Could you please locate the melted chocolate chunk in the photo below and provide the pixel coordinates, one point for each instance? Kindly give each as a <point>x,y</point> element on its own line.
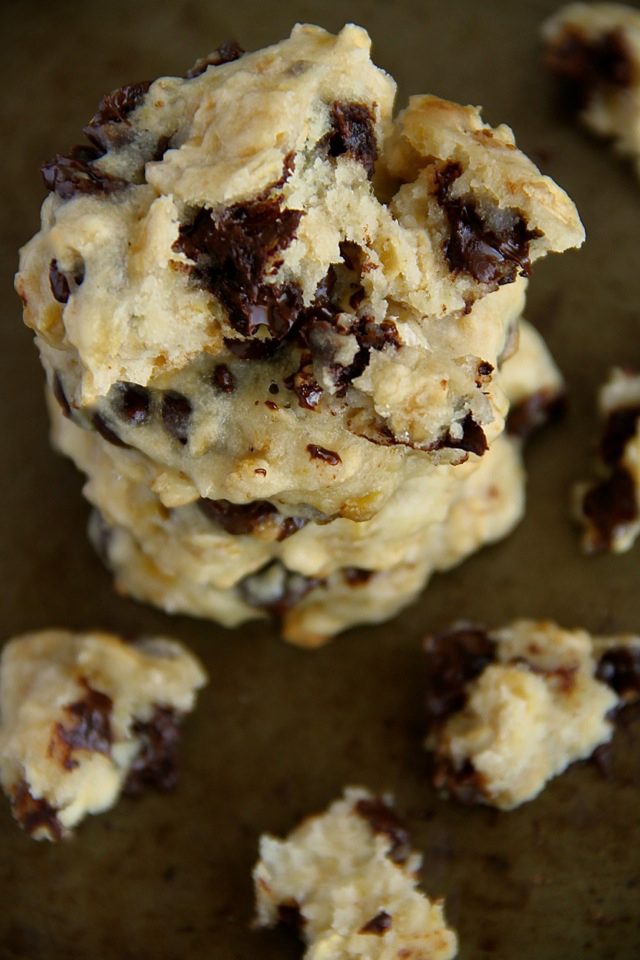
<point>75,174</point>
<point>252,349</point>
<point>223,378</point>
<point>176,414</point>
<point>473,439</point>
<point>238,518</point>
<point>489,254</point>
<point>465,785</point>
<point>357,576</point>
<point>59,283</point>
<point>456,657</point>
<point>34,814</point>
<point>289,915</point>
<point>621,426</point>
<point>291,525</point>
<point>585,66</point>
<point>352,134</point>
<point>155,764</point>
<point>321,453</point>
<point>109,127</point>
<point>619,668</point>
<point>90,728</point>
<point>383,819</point>
<point>535,411</point>
<point>133,403</point>
<point>58,392</point>
<point>227,52</point>
<point>609,505</point>
<point>378,924</point>
<point>106,432</point>
<point>232,253</point>
<point>304,384</point>
<point>276,589</point>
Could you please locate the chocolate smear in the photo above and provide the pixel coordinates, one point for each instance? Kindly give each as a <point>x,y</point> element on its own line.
<point>155,764</point>
<point>488,253</point>
<point>352,134</point>
<point>227,52</point>
<point>383,819</point>
<point>35,814</point>
<point>456,657</point>
<point>473,439</point>
<point>89,728</point>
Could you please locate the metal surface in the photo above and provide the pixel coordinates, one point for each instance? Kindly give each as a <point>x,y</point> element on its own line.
<point>280,731</point>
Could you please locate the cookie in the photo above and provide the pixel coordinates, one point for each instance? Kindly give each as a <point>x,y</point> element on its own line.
<point>594,51</point>
<point>346,882</point>
<point>85,716</point>
<point>511,708</point>
<point>276,303</point>
<point>608,508</point>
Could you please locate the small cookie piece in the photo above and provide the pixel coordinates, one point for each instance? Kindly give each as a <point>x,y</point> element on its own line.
<point>609,508</point>
<point>594,50</point>
<point>84,716</point>
<point>512,708</point>
<point>346,881</point>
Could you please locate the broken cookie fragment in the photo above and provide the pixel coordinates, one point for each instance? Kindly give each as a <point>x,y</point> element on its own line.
<point>594,51</point>
<point>608,508</point>
<point>84,716</point>
<point>511,708</point>
<point>338,880</point>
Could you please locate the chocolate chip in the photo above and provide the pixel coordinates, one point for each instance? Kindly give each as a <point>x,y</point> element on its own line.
<point>352,134</point>
<point>238,518</point>
<point>58,392</point>
<point>357,576</point>
<point>466,784</point>
<point>304,384</point>
<point>109,126</point>
<point>133,403</point>
<point>106,432</point>
<point>76,174</point>
<point>271,405</point>
<point>232,252</point>
<point>619,668</point>
<point>276,589</point>
<point>291,525</point>
<point>535,411</point>
<point>155,764</point>
<point>378,924</point>
<point>490,253</point>
<point>620,427</point>
<point>223,378</point>
<point>289,915</point>
<point>609,505</point>
<point>383,819</point>
<point>473,439</point>
<point>321,453</point>
<point>59,283</point>
<point>90,728</point>
<point>274,388</point>
<point>456,657</point>
<point>176,414</point>
<point>227,52</point>
<point>35,814</point>
<point>584,66</point>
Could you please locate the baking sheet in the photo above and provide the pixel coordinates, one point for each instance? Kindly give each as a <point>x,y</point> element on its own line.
<point>280,731</point>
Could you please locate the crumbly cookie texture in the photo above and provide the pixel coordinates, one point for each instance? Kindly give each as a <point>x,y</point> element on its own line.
<point>594,50</point>
<point>84,716</point>
<point>608,508</point>
<point>281,307</point>
<point>511,708</point>
<point>346,881</point>
<point>233,562</point>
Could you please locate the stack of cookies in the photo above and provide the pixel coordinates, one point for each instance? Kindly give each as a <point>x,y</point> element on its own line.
<point>282,332</point>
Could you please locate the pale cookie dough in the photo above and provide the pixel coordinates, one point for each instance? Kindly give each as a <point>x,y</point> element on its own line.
<point>594,50</point>
<point>84,716</point>
<point>346,881</point>
<point>608,508</point>
<point>512,708</point>
<point>268,303</point>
